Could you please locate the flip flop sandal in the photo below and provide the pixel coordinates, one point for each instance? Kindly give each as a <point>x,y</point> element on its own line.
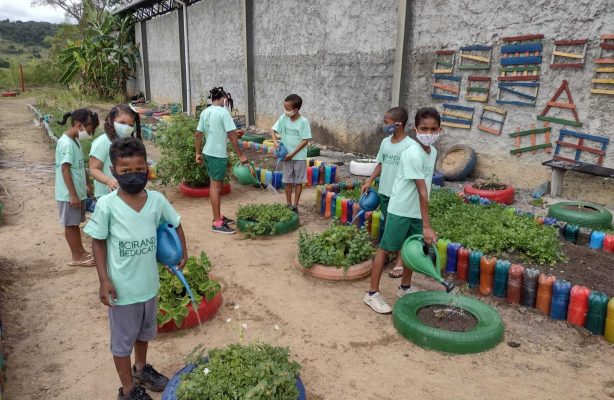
<point>82,263</point>
<point>396,272</point>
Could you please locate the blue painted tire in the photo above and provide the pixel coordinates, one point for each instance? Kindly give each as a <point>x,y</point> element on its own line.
<point>456,169</point>
<point>173,384</point>
<point>438,178</point>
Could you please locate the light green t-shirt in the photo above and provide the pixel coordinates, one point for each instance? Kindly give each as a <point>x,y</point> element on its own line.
<point>68,151</point>
<point>100,150</point>
<point>131,243</point>
<point>415,164</point>
<point>215,122</point>
<point>293,133</point>
<point>389,155</point>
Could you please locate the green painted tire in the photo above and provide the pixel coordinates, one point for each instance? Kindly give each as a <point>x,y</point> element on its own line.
<point>313,151</point>
<point>280,229</point>
<point>253,138</point>
<point>598,218</point>
<point>487,334</point>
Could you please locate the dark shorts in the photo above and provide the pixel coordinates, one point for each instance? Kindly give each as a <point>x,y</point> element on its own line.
<point>398,229</point>
<point>132,322</point>
<point>70,216</point>
<point>216,167</point>
<point>295,172</point>
<point>383,204</point>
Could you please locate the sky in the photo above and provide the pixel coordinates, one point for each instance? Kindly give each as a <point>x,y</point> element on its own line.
<point>22,10</point>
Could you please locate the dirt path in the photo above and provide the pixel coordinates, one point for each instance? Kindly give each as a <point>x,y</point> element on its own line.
<point>56,332</point>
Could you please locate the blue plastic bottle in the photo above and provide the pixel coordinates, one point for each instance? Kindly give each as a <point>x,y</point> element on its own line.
<point>350,211</point>
<point>549,221</point>
<point>452,257</point>
<point>560,299</point>
<point>315,176</point>
<point>327,174</point>
<point>596,242</point>
<point>333,173</point>
<point>571,233</point>
<point>269,177</point>
<point>323,202</point>
<point>501,269</point>
<point>333,205</point>
<point>474,268</point>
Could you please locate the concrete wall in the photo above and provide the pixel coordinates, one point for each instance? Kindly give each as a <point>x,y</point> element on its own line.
<point>453,24</point>
<point>216,49</point>
<point>138,83</point>
<point>164,65</point>
<point>338,56</point>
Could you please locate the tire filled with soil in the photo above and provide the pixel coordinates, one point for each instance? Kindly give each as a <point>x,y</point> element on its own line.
<point>446,317</point>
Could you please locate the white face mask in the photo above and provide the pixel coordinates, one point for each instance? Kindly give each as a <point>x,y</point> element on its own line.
<point>427,139</point>
<point>289,114</point>
<point>122,130</point>
<point>83,135</point>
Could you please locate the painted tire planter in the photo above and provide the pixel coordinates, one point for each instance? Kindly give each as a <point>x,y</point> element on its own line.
<point>313,151</point>
<point>253,138</point>
<point>170,392</point>
<point>503,194</point>
<point>202,191</point>
<point>456,162</point>
<point>9,94</point>
<point>281,228</point>
<point>581,213</point>
<point>328,273</point>
<point>487,334</point>
<point>206,311</point>
<point>362,167</point>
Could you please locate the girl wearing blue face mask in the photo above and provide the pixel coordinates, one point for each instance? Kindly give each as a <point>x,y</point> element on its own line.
<point>121,122</point>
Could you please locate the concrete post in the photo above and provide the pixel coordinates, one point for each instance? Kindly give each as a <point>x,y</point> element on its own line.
<point>400,56</point>
<point>145,60</point>
<point>247,8</point>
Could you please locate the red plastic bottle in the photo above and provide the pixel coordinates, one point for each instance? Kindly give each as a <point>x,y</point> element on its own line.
<point>309,176</point>
<point>514,283</point>
<point>329,196</point>
<point>344,211</point>
<point>462,264</point>
<point>487,275</point>
<point>321,175</point>
<point>544,293</point>
<point>608,243</point>
<point>578,305</point>
<point>368,219</point>
<point>355,211</point>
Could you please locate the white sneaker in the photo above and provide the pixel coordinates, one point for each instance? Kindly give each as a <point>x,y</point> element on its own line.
<point>402,292</point>
<point>377,303</point>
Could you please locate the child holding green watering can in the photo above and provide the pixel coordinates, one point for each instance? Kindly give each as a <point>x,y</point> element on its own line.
<point>408,210</point>
<point>124,232</point>
<point>217,123</point>
<point>388,158</point>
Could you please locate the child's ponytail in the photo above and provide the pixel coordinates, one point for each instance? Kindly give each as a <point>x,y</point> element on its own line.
<point>83,115</point>
<point>64,118</point>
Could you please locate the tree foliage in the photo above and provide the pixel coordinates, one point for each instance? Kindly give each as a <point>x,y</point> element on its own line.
<point>80,10</point>
<point>27,33</point>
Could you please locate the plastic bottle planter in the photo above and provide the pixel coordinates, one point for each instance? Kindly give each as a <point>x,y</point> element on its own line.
<point>544,293</point>
<point>323,202</point>
<point>597,312</point>
<point>452,257</point>
<point>596,242</point>
<point>578,305</point>
<point>571,233</point>
<point>327,207</point>
<point>315,175</point>
<point>442,249</point>
<point>560,299</point>
<point>462,264</point>
<point>487,275</point>
<point>375,220</point>
<point>474,268</point>
<point>501,270</point>
<point>514,283</point>
<point>309,177</point>
<point>609,323</point>
<point>608,243</point>
<point>549,221</point>
<point>368,220</point>
<point>529,287</point>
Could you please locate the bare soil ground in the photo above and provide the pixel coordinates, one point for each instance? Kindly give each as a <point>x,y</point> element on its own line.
<point>56,330</point>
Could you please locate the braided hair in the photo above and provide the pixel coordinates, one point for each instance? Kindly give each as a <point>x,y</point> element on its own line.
<point>83,115</point>
<point>110,119</point>
<point>217,93</point>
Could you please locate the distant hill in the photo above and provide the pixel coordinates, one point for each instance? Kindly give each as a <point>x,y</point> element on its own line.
<point>27,33</point>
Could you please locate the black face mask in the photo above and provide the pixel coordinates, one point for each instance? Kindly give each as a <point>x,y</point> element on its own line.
<point>133,182</point>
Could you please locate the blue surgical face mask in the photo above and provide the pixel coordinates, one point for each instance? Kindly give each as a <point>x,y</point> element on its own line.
<point>390,129</point>
<point>123,130</point>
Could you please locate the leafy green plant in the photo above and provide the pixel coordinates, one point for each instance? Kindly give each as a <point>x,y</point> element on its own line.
<point>248,372</point>
<point>264,218</point>
<point>353,194</point>
<point>338,246</point>
<point>173,298</point>
<point>492,229</point>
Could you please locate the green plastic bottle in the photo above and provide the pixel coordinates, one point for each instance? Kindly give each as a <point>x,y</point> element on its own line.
<point>597,311</point>
<point>442,249</point>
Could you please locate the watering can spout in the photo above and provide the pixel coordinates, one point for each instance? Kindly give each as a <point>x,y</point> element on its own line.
<point>448,285</point>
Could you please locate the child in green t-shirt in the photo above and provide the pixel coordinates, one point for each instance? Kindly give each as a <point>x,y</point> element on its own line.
<point>408,210</point>
<point>121,122</point>
<point>295,134</point>
<point>388,158</point>
<point>71,187</point>
<point>123,229</point>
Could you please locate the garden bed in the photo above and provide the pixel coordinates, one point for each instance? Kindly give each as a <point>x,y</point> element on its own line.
<point>447,317</point>
<point>331,273</point>
<point>266,219</point>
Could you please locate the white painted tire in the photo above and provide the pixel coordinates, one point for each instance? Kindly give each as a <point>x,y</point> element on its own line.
<point>364,167</point>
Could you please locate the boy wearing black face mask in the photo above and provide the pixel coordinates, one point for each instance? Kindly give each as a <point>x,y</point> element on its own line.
<point>123,229</point>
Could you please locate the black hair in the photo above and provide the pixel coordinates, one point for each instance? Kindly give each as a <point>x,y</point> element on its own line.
<point>398,114</point>
<point>83,115</point>
<point>296,101</point>
<point>217,93</point>
<point>426,113</point>
<point>230,101</point>
<point>127,147</point>
<point>115,111</point>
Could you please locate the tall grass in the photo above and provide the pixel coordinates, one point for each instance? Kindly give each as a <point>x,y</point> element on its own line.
<point>37,73</point>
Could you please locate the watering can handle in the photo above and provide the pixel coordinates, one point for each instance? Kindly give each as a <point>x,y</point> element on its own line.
<point>421,237</point>
<point>176,242</point>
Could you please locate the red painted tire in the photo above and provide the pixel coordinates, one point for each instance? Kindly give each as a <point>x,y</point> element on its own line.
<point>328,273</point>
<point>9,94</point>
<point>503,196</point>
<point>206,311</point>
<point>200,192</point>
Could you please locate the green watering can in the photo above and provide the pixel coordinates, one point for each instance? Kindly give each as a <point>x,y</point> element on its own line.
<point>415,255</point>
<point>245,174</point>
